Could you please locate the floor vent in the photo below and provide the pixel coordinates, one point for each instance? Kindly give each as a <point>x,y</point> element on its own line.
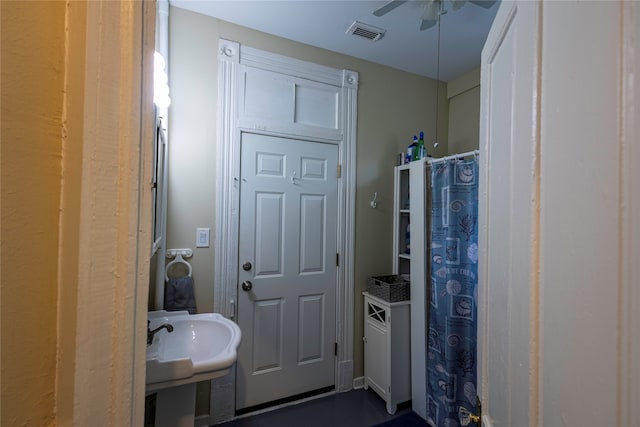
<point>368,32</point>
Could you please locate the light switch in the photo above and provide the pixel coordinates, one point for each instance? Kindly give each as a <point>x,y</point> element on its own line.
<point>202,238</point>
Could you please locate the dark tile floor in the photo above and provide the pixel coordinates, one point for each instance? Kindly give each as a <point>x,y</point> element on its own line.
<point>356,408</point>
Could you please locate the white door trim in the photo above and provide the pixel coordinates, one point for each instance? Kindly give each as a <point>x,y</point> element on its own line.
<point>629,231</point>
<point>231,56</point>
<point>104,278</point>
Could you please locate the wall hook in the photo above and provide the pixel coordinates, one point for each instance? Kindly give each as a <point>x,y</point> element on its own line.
<point>374,203</point>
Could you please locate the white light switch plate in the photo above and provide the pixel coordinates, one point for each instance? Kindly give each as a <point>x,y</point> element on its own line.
<point>202,238</point>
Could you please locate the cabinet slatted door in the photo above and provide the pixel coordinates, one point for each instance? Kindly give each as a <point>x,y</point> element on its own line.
<point>386,350</point>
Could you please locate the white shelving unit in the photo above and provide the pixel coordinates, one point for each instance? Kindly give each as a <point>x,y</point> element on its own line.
<point>395,350</point>
<point>386,350</point>
<point>411,207</point>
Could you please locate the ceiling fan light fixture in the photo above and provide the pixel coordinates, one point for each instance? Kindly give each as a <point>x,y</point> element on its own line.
<point>365,31</point>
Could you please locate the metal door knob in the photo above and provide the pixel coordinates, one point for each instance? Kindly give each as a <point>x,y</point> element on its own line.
<point>247,286</point>
<point>467,417</point>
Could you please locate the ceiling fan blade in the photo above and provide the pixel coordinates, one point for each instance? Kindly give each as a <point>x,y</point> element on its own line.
<point>457,4</point>
<point>483,3</point>
<point>426,24</point>
<point>388,7</point>
<point>431,10</point>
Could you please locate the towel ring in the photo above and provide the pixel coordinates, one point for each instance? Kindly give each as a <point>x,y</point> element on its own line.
<point>177,259</point>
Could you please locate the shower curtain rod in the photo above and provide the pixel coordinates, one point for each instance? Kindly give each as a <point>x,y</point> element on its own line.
<point>454,156</point>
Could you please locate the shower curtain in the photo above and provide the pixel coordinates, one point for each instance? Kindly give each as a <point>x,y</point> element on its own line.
<point>452,334</point>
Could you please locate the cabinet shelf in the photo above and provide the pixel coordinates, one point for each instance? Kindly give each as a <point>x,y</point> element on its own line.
<point>401,220</point>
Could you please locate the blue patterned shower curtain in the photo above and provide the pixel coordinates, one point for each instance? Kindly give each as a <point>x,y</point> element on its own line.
<point>452,335</point>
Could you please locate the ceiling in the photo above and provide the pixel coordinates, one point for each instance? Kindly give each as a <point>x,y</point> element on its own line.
<point>323,23</point>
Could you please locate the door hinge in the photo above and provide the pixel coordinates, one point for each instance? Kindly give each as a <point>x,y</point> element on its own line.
<point>339,171</point>
<point>335,349</point>
<point>232,309</point>
<point>337,260</point>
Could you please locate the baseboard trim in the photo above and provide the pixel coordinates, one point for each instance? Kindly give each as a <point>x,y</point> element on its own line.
<point>345,375</point>
<point>487,421</point>
<point>358,382</point>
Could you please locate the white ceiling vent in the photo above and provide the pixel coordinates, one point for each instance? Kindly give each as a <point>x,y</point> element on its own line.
<point>368,32</point>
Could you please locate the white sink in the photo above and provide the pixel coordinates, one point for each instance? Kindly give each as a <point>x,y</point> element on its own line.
<point>201,347</point>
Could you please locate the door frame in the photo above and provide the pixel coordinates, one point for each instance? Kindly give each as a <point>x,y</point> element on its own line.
<point>231,56</point>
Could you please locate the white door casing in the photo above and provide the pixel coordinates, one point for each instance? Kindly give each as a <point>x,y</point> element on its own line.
<point>558,278</point>
<point>510,176</point>
<point>233,119</point>
<point>288,234</point>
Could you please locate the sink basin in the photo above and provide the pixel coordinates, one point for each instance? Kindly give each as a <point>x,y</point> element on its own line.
<point>201,347</point>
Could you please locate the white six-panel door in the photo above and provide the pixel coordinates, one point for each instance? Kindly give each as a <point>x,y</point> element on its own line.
<point>287,274</point>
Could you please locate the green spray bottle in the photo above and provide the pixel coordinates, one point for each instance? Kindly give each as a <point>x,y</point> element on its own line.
<point>422,153</point>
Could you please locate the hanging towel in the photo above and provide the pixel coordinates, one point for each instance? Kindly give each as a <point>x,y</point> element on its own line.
<point>179,295</point>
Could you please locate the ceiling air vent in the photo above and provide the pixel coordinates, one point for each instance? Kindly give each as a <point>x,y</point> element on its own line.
<point>368,32</point>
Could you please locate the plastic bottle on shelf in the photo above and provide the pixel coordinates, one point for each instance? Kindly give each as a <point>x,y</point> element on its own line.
<point>416,151</point>
<point>410,151</point>
<point>422,152</point>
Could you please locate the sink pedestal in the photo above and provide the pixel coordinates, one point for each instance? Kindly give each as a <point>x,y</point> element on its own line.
<point>176,406</point>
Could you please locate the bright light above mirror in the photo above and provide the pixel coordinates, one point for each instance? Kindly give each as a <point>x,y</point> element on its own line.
<point>160,82</point>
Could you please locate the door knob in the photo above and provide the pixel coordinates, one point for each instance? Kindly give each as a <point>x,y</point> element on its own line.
<point>246,266</point>
<point>247,286</point>
<point>467,417</point>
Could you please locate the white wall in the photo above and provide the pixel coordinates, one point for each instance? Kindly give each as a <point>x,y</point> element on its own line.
<point>583,188</point>
<point>31,189</point>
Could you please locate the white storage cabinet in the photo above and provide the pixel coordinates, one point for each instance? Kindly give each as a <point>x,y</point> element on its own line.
<point>387,356</point>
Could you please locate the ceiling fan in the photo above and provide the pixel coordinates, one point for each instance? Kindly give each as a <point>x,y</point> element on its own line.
<point>432,9</point>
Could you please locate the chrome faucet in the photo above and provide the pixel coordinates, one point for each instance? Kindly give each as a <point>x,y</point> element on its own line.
<point>151,333</point>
